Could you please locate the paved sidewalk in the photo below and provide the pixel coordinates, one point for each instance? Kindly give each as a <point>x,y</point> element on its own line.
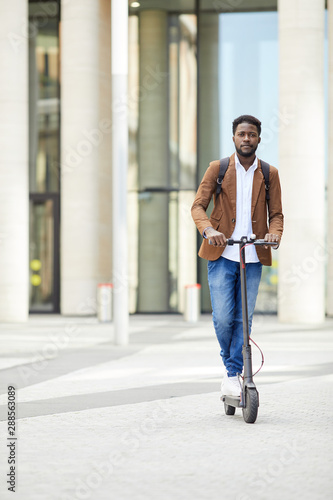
<point>144,422</point>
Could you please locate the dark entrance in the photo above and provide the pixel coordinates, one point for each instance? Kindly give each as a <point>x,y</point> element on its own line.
<point>44,156</point>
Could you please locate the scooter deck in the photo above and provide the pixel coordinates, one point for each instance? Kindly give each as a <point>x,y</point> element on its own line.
<point>232,401</point>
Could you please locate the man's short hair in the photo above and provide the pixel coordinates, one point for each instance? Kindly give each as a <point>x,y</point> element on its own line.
<point>246,119</point>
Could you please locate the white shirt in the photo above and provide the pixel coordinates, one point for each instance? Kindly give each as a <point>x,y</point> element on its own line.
<point>243,227</point>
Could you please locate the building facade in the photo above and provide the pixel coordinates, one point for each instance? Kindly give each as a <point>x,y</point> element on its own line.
<point>193,67</point>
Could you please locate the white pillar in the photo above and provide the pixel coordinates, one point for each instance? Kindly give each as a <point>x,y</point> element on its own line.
<point>85,153</point>
<point>301,161</point>
<point>330,163</point>
<point>119,63</point>
<point>14,189</point>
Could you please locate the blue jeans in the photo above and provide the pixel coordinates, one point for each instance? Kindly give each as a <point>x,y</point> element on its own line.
<point>225,293</point>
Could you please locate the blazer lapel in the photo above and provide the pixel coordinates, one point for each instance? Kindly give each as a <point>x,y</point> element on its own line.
<point>257,184</point>
<point>230,182</point>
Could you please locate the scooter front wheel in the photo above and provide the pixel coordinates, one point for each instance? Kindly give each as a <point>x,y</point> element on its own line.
<point>250,411</point>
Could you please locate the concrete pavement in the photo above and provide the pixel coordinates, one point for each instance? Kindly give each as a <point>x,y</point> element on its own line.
<point>98,421</point>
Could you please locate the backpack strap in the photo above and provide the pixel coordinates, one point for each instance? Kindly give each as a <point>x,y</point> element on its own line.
<point>265,171</point>
<point>224,164</point>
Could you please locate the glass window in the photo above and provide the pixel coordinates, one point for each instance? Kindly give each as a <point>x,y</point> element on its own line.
<point>237,52</point>
<point>162,161</point>
<point>44,154</point>
<point>44,93</point>
<point>238,74</point>
<point>248,77</point>
<point>183,101</point>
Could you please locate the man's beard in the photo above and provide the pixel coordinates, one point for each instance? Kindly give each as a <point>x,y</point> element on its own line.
<point>248,153</point>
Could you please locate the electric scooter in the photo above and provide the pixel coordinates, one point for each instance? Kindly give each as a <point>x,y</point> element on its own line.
<point>249,396</point>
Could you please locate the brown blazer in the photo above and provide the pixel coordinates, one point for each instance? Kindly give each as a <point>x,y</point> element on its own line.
<point>223,216</point>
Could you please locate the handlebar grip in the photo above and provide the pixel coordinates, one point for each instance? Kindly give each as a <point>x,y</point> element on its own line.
<point>210,243</point>
<point>263,242</point>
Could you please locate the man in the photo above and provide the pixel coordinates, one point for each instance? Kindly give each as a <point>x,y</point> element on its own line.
<point>239,210</point>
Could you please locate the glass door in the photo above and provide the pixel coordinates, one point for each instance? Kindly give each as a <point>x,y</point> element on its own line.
<point>236,40</point>
<point>44,254</point>
<point>162,167</point>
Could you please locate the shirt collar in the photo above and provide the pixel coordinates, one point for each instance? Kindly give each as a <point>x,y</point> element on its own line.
<point>238,163</point>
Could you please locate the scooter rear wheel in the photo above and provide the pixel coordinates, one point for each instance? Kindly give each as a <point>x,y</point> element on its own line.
<point>229,410</point>
<point>250,412</point>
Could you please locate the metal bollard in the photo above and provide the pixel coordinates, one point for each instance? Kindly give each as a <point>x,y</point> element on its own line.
<point>192,303</point>
<point>104,302</point>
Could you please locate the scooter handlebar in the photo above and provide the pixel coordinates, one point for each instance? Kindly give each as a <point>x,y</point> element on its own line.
<point>263,242</point>
<point>251,241</point>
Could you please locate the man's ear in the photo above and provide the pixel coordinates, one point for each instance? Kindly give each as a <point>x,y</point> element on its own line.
<point>233,139</point>
<point>259,140</point>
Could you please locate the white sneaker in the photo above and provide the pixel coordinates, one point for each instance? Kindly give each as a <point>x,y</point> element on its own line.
<point>224,376</point>
<point>231,387</point>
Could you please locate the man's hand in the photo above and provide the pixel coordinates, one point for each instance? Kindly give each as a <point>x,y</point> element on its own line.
<point>216,239</point>
<point>272,238</point>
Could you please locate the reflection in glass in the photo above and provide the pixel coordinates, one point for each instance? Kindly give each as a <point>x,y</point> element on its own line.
<point>153,272</point>
<point>41,255</point>
<point>173,251</point>
<point>174,100</point>
<point>168,264</point>
<point>44,93</point>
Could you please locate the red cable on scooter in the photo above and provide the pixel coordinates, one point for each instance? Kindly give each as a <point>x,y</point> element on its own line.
<point>262,356</point>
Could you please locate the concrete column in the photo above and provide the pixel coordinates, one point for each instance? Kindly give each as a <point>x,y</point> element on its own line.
<point>330,163</point>
<point>301,161</point>
<point>14,189</point>
<point>209,120</point>
<point>85,153</point>
<point>153,162</point>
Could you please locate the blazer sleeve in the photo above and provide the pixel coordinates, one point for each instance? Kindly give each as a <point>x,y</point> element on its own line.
<point>204,194</point>
<point>276,217</point>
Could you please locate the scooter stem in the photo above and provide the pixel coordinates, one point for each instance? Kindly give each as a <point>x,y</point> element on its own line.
<point>247,356</point>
